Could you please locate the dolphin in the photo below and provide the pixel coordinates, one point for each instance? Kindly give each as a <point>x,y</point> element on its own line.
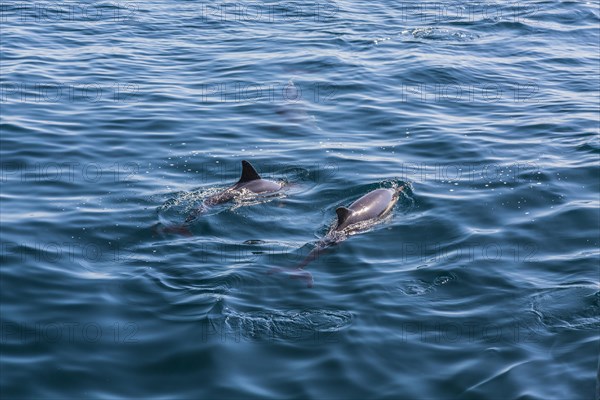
<point>365,212</point>
<point>249,181</point>
<point>371,207</point>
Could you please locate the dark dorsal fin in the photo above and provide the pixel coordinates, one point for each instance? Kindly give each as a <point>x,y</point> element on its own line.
<point>343,213</point>
<point>248,172</point>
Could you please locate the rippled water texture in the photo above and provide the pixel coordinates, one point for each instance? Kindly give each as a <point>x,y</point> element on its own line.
<point>119,119</point>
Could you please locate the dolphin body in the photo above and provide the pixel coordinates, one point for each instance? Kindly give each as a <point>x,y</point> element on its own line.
<point>249,181</point>
<point>358,217</point>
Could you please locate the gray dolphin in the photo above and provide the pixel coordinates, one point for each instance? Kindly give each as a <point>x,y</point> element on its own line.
<point>249,181</point>
<point>358,217</point>
<point>370,207</point>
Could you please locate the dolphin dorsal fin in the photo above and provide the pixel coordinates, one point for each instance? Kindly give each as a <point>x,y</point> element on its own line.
<point>248,172</point>
<point>342,213</point>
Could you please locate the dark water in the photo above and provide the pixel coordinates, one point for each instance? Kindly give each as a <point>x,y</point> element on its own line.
<point>119,118</point>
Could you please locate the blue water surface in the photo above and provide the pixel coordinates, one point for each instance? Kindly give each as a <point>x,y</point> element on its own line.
<point>119,118</point>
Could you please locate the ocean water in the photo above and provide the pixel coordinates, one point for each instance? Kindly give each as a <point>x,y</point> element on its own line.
<point>119,118</point>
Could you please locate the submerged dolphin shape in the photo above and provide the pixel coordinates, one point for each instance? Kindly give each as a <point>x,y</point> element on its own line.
<point>249,181</point>
<point>358,217</point>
